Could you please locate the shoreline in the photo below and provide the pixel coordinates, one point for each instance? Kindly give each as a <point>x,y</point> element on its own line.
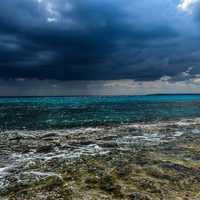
<point>112,164</point>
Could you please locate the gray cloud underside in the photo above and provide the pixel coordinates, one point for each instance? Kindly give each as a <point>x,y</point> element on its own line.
<point>35,87</point>
<point>97,40</point>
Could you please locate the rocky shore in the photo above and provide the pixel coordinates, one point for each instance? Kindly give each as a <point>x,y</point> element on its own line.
<point>102,164</point>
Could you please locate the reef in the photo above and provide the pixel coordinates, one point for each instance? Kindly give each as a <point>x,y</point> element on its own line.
<point>157,171</point>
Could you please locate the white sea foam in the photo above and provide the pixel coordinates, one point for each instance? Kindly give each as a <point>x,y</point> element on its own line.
<point>3,171</point>
<point>178,133</point>
<point>82,130</point>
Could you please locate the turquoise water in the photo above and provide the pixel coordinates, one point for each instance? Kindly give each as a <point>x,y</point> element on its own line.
<point>67,112</point>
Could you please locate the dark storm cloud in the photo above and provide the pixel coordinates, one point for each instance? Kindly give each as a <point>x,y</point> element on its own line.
<point>95,40</point>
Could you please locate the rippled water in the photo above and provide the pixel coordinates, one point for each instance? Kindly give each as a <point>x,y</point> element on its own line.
<point>38,131</point>
<point>68,112</point>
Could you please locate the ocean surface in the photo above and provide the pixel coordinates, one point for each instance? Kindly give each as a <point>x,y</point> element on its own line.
<point>69,112</point>
<point>36,131</point>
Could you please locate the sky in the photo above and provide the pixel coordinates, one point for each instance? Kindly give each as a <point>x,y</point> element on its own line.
<point>99,47</point>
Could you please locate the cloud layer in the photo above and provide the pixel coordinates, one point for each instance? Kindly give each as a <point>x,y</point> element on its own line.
<point>69,40</point>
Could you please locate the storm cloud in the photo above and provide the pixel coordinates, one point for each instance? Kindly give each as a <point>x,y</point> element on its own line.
<point>76,40</point>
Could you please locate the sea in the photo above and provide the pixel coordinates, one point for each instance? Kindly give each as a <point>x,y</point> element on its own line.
<point>43,129</point>
<point>46,113</point>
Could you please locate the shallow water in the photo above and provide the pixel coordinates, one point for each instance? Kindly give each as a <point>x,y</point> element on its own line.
<point>37,132</point>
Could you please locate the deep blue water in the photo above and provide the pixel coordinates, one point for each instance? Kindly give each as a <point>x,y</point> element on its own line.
<point>67,112</point>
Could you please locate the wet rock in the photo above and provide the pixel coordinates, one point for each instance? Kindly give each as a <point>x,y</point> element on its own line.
<point>108,144</point>
<point>175,166</point>
<point>67,192</point>
<point>92,180</point>
<point>87,142</point>
<point>20,147</point>
<point>108,184</point>
<point>139,196</point>
<point>45,149</point>
<point>142,159</point>
<point>159,174</point>
<point>53,181</point>
<point>149,185</point>
<point>70,173</point>
<point>49,135</point>
<point>108,138</point>
<point>67,146</point>
<point>152,171</point>
<point>26,180</point>
<point>124,169</point>
<point>15,136</point>
<point>80,143</point>
<point>181,170</point>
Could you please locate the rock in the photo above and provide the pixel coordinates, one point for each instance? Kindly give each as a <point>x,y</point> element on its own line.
<point>67,192</point>
<point>149,185</point>
<point>45,149</point>
<point>139,196</point>
<point>49,135</point>
<point>107,183</point>
<point>108,144</point>
<point>86,142</point>
<point>91,181</point>
<point>124,169</point>
<point>80,143</point>
<point>158,173</point>
<point>31,179</point>
<point>53,181</point>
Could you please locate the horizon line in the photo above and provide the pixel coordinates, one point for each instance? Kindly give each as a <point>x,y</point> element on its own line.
<point>53,96</point>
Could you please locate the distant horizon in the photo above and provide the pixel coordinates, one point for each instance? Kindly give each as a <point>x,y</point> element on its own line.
<point>153,94</point>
